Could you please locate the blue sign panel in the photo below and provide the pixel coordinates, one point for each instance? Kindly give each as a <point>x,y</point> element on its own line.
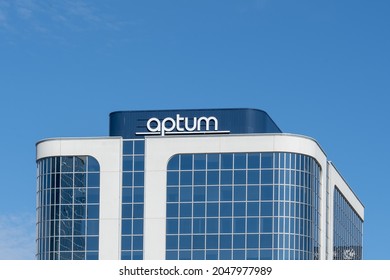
<point>138,124</point>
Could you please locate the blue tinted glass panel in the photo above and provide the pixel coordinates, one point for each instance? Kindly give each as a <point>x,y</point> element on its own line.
<point>139,147</point>
<point>127,147</point>
<point>186,162</point>
<point>200,161</point>
<point>239,161</point>
<point>212,161</point>
<point>173,163</point>
<point>227,161</point>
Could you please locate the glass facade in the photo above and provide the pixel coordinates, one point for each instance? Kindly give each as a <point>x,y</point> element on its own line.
<point>243,206</point>
<point>133,200</point>
<point>68,208</point>
<point>348,230</point>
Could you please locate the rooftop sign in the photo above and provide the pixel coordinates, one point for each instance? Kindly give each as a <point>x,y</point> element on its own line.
<point>138,124</point>
<point>182,125</point>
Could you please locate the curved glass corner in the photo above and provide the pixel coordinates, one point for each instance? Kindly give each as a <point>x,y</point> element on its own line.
<point>68,208</point>
<point>243,206</point>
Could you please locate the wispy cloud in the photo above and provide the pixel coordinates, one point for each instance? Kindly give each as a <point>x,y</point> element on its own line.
<point>48,16</point>
<point>17,237</point>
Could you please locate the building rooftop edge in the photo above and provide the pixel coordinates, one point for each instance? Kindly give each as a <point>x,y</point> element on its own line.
<point>76,138</point>
<point>334,166</point>
<point>181,109</point>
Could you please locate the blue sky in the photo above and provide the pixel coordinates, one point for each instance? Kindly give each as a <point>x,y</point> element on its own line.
<point>319,68</point>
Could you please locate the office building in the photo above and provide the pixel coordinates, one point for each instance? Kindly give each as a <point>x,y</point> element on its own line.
<point>193,184</point>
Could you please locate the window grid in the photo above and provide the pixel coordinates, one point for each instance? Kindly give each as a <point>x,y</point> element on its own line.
<point>267,203</point>
<point>68,208</point>
<point>132,200</point>
<point>348,230</point>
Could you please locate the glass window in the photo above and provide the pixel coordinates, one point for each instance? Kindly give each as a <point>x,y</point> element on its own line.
<point>253,225</point>
<point>138,225</point>
<point>253,241</point>
<point>93,180</point>
<point>66,164</point>
<point>139,147</point>
<point>253,177</point>
<point>127,195</point>
<point>199,177</point>
<point>226,193</point>
<point>185,194</point>
<point>93,211</point>
<point>93,195</point>
<point>138,210</point>
<point>239,161</point>
<point>127,210</point>
<point>266,209</point>
<point>226,225</point>
<point>225,241</point>
<point>253,209</point>
<point>172,210</point>
<point>212,177</point>
<point>239,193</point>
<point>211,242</point>
<point>137,242</point>
<point>212,209</point>
<point>93,164</point>
<point>93,227</point>
<point>173,194</point>
<point>239,225</point>
<point>173,163</point>
<point>138,179</point>
<point>185,210</point>
<point>127,147</point>
<point>127,226</point>
<point>266,224</point>
<point>199,193</point>
<point>213,194</point>
<point>185,241</point>
<point>186,178</point>
<point>80,164</point>
<point>253,193</point>
<point>185,226</point>
<point>79,211</point>
<point>266,177</point>
<point>171,255</point>
<point>127,178</point>
<point>266,193</point>
<point>226,209</point>
<point>128,163</point>
<point>200,161</point>
<point>199,210</point>
<point>212,225</point>
<point>212,161</point>
<point>138,163</point>
<point>239,241</point>
<point>199,241</point>
<point>239,209</point>
<point>253,161</point>
<point>80,180</point>
<point>227,161</point>
<point>239,177</point>
<point>226,177</point>
<point>199,225</point>
<point>66,196</point>
<point>266,160</point>
<point>265,240</point>
<point>172,226</point>
<point>173,178</point>
<point>186,162</point>
<point>126,243</point>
